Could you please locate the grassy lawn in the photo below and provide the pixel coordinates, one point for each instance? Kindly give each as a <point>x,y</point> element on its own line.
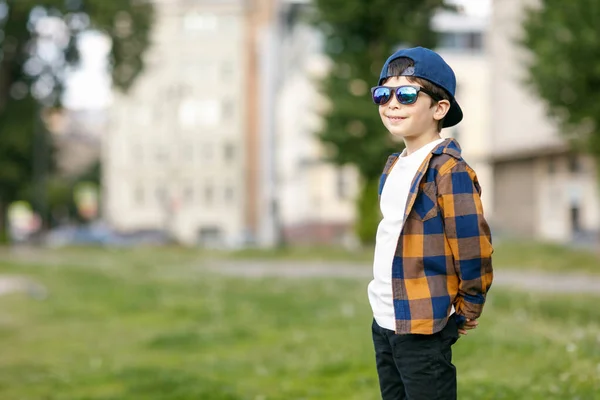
<point>546,257</point>
<point>507,255</point>
<point>130,325</point>
<point>522,255</point>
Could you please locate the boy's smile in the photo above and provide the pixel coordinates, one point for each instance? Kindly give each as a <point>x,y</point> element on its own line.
<point>394,119</point>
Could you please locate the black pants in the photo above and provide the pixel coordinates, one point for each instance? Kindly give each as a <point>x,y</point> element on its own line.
<point>416,367</point>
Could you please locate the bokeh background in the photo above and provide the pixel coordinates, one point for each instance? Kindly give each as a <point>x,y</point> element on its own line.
<point>188,194</point>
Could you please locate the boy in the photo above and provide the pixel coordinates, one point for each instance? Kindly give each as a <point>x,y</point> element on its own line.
<point>432,264</point>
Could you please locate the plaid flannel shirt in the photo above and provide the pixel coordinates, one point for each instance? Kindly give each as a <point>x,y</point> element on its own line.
<point>443,255</point>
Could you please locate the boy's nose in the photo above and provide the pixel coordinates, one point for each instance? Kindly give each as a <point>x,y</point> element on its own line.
<point>394,103</point>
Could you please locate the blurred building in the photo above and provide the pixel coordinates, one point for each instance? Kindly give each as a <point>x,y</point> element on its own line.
<point>216,141</point>
<point>461,42</point>
<point>542,189</point>
<point>185,150</point>
<point>77,136</point>
<point>317,199</point>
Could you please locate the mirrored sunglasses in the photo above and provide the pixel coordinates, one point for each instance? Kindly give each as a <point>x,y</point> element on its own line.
<point>406,94</point>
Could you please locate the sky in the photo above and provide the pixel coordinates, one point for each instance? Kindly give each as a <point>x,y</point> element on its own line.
<point>474,7</point>
<point>88,87</point>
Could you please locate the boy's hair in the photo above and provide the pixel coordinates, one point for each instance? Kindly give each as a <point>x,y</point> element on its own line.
<point>399,65</point>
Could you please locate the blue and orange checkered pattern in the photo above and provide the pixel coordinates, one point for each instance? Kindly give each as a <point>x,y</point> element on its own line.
<point>444,252</point>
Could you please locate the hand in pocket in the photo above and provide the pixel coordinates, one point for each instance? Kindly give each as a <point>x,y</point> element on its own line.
<point>470,324</point>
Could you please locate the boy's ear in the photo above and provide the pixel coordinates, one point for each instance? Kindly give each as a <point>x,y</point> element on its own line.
<point>441,109</point>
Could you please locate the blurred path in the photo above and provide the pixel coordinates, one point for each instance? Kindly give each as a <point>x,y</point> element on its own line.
<point>12,284</point>
<point>512,278</point>
<point>530,280</point>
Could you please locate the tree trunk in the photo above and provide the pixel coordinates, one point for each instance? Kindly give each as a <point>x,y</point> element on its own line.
<point>4,237</point>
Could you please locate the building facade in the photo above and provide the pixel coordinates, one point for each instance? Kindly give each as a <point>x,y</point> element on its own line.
<point>317,198</point>
<point>542,189</point>
<point>462,40</point>
<point>182,151</point>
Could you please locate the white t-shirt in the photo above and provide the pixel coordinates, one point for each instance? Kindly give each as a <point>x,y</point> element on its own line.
<point>392,204</point>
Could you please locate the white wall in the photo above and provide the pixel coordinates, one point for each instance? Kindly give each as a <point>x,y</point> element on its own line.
<point>308,185</point>
<point>184,106</point>
<point>473,133</point>
<point>519,117</point>
<point>520,126</point>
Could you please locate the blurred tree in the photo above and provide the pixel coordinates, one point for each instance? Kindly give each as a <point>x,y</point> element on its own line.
<point>60,192</point>
<point>564,40</point>
<point>38,44</point>
<point>359,36</point>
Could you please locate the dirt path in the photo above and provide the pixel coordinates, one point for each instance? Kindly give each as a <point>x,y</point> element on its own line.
<point>11,284</point>
<point>532,281</point>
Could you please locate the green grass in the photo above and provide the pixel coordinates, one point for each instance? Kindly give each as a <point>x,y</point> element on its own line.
<point>130,325</point>
<point>508,254</point>
<point>546,257</point>
<point>305,253</point>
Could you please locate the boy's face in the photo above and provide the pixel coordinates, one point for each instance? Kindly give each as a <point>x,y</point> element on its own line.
<point>411,120</point>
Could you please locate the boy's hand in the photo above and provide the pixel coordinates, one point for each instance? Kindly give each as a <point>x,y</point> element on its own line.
<point>470,324</point>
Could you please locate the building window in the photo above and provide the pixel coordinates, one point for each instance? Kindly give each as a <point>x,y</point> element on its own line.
<point>193,113</point>
<point>137,154</point>
<point>208,194</point>
<point>187,152</point>
<point>342,184</point>
<point>229,194</point>
<point>188,195</point>
<point>205,71</point>
<point>161,154</point>
<point>161,195</point>
<point>551,166</point>
<point>188,115</point>
<point>226,70</point>
<point>227,109</point>
<point>198,22</point>
<point>461,41</point>
<point>229,152</point>
<point>138,196</point>
<point>177,91</point>
<point>143,117</point>
<point>575,216</point>
<point>157,112</point>
<point>207,152</point>
<point>574,164</point>
<point>210,236</point>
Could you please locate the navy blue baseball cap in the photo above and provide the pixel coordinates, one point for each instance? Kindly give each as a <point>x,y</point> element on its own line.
<point>431,66</point>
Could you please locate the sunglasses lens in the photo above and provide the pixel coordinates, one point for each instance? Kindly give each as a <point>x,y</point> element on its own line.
<point>381,95</point>
<point>407,94</point>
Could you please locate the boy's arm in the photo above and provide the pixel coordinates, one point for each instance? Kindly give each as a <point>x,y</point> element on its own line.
<point>469,237</point>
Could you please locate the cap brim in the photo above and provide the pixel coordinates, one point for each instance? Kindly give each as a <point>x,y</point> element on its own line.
<point>454,116</point>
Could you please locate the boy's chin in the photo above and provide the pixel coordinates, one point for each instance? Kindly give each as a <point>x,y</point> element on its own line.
<point>396,138</point>
<point>404,135</point>
<point>401,134</point>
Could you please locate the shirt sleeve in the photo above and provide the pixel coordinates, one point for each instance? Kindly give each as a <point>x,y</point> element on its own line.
<point>468,236</point>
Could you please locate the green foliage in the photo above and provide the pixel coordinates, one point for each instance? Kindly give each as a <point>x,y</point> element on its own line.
<point>16,135</point>
<point>359,36</point>
<point>368,209</point>
<point>564,39</point>
<point>126,22</point>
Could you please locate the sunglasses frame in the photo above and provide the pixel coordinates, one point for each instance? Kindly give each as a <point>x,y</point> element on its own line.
<point>394,90</point>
